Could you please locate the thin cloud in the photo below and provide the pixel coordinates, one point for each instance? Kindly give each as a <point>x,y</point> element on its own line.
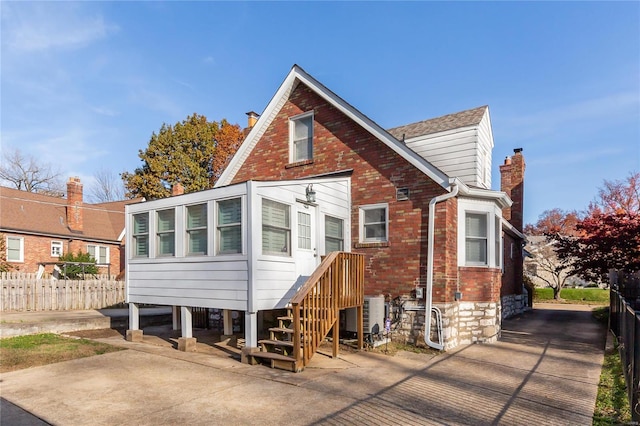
<point>590,113</point>
<point>29,27</point>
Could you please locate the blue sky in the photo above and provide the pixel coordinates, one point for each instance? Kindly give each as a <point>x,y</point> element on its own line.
<point>84,85</point>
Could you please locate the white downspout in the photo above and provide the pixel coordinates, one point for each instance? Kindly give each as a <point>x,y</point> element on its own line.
<point>429,289</point>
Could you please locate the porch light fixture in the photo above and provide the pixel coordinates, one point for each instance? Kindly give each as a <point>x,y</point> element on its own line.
<point>311,194</point>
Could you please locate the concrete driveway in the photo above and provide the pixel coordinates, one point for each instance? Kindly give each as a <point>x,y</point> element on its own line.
<point>545,370</point>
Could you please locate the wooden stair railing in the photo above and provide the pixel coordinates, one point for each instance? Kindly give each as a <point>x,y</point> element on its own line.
<point>338,283</point>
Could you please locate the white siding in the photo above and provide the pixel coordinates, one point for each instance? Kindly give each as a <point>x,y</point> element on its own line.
<point>464,153</point>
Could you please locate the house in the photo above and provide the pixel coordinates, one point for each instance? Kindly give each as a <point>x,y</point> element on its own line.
<point>414,203</point>
<point>39,228</point>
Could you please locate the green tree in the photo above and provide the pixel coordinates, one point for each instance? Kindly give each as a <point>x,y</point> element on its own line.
<point>193,153</point>
<point>78,265</point>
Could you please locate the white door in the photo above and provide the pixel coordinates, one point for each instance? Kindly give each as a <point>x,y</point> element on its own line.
<point>306,246</point>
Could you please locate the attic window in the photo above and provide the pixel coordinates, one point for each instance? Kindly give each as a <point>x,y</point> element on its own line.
<point>301,137</point>
<point>402,194</point>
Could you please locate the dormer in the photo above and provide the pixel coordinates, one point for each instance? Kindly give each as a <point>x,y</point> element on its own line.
<point>458,144</point>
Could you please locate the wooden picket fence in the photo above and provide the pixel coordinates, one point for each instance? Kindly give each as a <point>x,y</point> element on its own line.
<point>24,292</point>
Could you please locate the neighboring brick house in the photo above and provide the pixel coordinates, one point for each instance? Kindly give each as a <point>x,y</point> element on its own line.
<point>422,210</point>
<point>39,228</point>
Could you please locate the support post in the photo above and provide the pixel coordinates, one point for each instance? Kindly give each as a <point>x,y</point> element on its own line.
<point>250,336</point>
<point>134,334</point>
<point>227,322</point>
<point>336,336</point>
<point>186,343</point>
<point>175,316</point>
<point>360,314</point>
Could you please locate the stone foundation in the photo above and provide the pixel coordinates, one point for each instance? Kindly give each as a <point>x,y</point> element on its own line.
<point>463,323</point>
<point>514,304</point>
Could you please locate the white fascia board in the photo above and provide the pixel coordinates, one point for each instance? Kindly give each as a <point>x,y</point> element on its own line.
<point>443,133</point>
<point>287,86</point>
<point>499,197</point>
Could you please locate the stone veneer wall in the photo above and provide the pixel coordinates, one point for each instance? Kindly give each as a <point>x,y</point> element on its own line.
<point>514,304</point>
<point>462,323</point>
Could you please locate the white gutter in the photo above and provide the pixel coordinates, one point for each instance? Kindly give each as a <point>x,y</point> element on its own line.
<point>429,289</point>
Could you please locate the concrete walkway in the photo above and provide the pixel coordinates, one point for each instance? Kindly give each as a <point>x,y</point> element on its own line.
<point>545,371</point>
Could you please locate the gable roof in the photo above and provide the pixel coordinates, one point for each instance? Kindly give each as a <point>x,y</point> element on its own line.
<point>37,214</point>
<point>296,76</point>
<point>470,117</point>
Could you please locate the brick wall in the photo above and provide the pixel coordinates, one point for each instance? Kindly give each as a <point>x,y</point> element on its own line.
<point>38,249</point>
<point>393,268</point>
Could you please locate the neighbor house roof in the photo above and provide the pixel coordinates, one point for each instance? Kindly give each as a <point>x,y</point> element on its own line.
<point>37,214</point>
<point>470,117</point>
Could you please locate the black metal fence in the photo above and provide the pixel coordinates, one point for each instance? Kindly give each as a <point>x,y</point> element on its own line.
<point>624,322</point>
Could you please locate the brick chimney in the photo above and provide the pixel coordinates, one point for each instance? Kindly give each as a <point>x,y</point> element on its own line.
<point>512,183</point>
<point>253,119</point>
<point>177,189</point>
<point>74,204</point>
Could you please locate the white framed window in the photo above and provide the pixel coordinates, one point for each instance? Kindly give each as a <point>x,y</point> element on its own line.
<point>15,249</point>
<point>99,253</point>
<point>196,230</point>
<point>301,137</point>
<point>141,235</point>
<point>333,234</point>
<point>374,223</point>
<point>276,228</point>
<point>498,241</point>
<point>229,226</point>
<point>476,238</point>
<point>304,231</point>
<point>166,232</point>
<point>56,248</point>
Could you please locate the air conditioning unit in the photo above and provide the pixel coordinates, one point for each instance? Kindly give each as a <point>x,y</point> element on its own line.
<point>373,313</point>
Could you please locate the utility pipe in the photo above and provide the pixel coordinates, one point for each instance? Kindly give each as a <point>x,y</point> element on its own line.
<point>429,289</point>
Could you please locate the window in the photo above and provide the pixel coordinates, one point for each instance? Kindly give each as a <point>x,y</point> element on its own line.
<point>141,235</point>
<point>230,226</point>
<point>476,238</point>
<point>333,234</point>
<point>373,223</point>
<point>15,249</point>
<point>304,231</point>
<point>276,228</point>
<point>56,248</point>
<point>197,230</point>
<point>166,232</point>
<point>99,253</point>
<point>301,134</point>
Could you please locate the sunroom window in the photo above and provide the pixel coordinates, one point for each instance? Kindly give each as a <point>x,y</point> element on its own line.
<point>197,230</point>
<point>141,235</point>
<point>276,228</point>
<point>230,226</point>
<point>166,232</point>
<point>301,132</point>
<point>333,234</point>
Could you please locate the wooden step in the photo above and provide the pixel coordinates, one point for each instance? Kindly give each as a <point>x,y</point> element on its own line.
<point>281,330</point>
<point>276,342</point>
<point>282,362</point>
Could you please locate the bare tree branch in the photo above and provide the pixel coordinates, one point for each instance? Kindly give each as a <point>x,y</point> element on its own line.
<point>107,187</point>
<point>27,174</point>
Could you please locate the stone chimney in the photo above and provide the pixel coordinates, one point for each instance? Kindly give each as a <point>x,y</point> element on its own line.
<point>74,204</point>
<point>512,183</point>
<point>177,189</point>
<point>253,119</point>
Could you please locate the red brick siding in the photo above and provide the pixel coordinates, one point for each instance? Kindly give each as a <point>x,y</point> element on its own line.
<point>479,284</point>
<point>38,249</point>
<point>512,277</point>
<point>392,269</point>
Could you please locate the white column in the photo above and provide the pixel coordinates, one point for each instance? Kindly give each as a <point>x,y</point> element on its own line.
<point>134,316</point>
<point>227,321</point>
<point>251,329</point>
<point>185,318</point>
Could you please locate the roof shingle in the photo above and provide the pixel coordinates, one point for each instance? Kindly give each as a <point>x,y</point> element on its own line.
<point>456,120</point>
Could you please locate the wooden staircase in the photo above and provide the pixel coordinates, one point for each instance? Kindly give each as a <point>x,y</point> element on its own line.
<point>338,283</point>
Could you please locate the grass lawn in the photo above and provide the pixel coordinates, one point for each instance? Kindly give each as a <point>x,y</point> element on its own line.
<point>21,352</point>
<point>591,296</point>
